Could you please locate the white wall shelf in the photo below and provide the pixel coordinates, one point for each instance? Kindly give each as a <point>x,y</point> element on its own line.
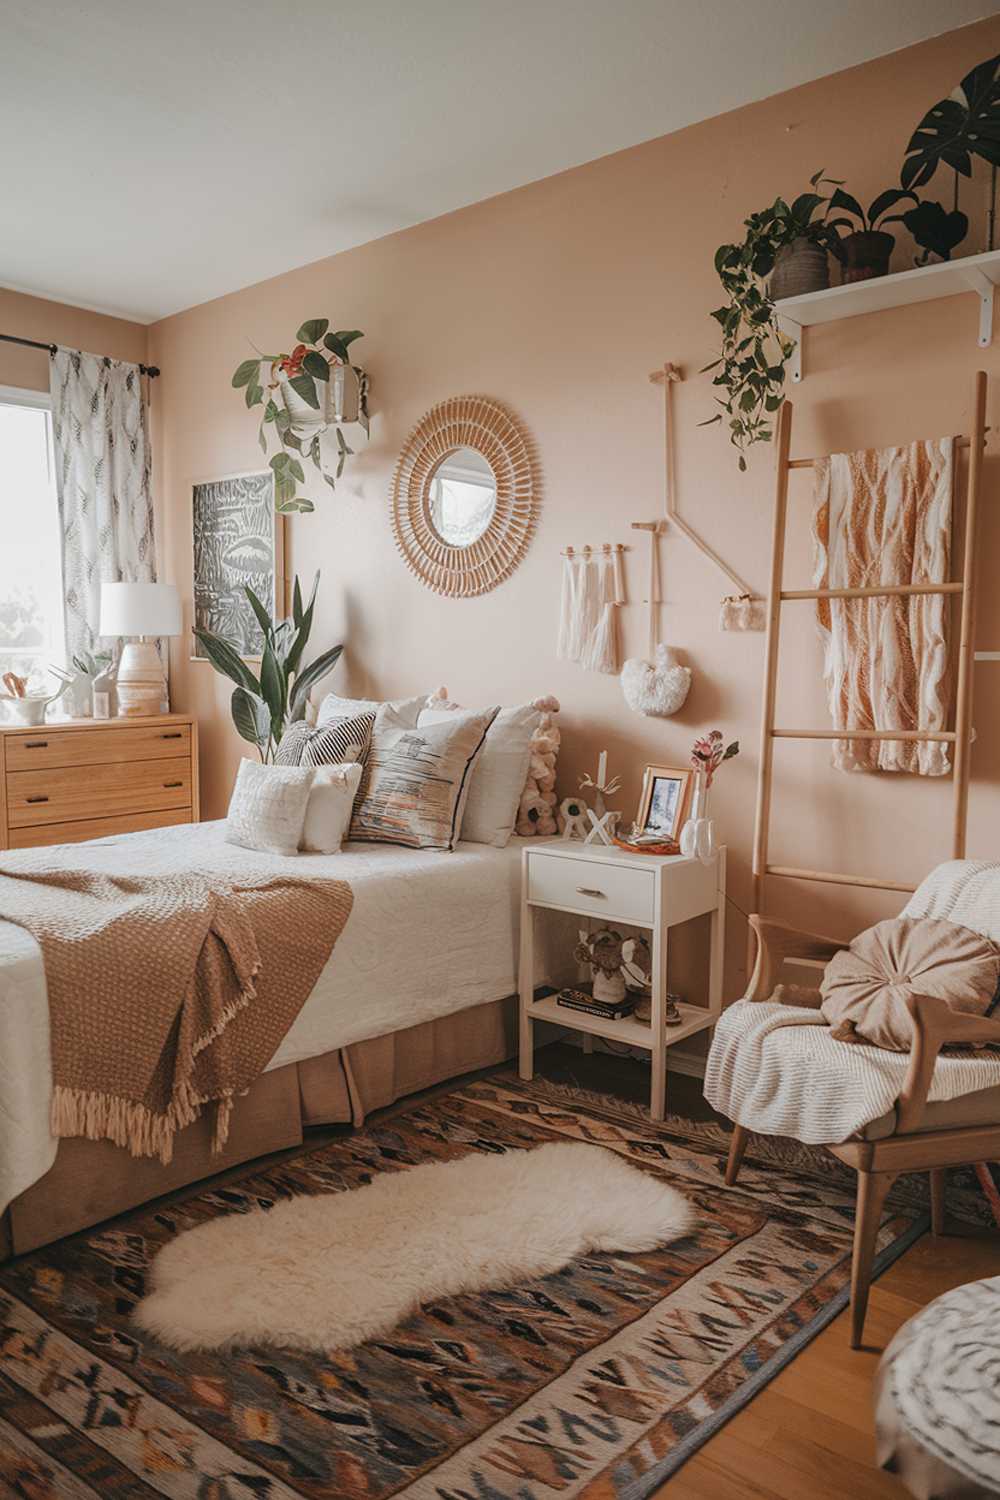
<point>978,274</point>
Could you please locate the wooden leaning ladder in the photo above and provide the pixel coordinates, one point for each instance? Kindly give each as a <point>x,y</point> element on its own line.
<point>960,736</point>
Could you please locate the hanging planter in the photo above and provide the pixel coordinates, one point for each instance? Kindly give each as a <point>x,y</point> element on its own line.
<point>801,267</point>
<point>313,391</point>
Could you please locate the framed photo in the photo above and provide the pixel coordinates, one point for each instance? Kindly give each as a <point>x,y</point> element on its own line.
<point>238,540</point>
<point>664,801</point>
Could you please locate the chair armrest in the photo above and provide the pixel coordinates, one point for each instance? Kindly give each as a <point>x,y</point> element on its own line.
<point>775,943</point>
<point>934,1027</point>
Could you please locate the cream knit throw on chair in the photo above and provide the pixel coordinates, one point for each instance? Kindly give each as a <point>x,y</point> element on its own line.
<point>884,516</point>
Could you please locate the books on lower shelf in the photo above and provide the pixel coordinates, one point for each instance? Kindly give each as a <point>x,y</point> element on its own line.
<point>609,1010</point>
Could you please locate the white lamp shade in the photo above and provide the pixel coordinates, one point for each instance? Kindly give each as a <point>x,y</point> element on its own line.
<point>140,609</point>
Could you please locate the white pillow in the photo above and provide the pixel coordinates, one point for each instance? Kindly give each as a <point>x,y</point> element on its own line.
<point>268,807</point>
<point>334,708</point>
<point>499,773</point>
<point>328,813</point>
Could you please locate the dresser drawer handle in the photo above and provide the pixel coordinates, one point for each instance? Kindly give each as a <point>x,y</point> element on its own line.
<point>586,890</point>
<point>36,744</point>
<point>177,734</point>
<point>173,783</point>
<point>36,799</point>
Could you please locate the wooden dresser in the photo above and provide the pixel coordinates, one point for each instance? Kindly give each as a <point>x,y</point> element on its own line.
<point>87,778</point>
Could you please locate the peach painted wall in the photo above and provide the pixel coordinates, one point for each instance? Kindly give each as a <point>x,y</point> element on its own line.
<point>56,323</point>
<point>559,299</point>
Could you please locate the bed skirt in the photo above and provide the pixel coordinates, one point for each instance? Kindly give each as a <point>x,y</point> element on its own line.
<point>95,1180</point>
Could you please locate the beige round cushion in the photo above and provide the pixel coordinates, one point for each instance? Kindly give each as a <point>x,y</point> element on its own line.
<point>865,986</point>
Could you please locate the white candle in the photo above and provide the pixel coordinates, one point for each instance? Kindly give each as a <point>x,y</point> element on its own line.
<point>602,768</point>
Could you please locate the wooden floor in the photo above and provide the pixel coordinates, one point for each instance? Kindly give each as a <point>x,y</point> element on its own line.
<point>809,1435</point>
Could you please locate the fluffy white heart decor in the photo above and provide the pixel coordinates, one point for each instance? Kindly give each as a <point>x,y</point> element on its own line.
<point>656,688</point>
<point>329,1271</point>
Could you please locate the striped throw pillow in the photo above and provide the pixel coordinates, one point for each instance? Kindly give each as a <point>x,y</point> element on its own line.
<point>330,744</point>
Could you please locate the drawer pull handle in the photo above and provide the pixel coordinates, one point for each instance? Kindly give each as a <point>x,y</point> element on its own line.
<point>36,799</point>
<point>173,783</point>
<point>586,890</point>
<point>174,735</point>
<point>36,744</point>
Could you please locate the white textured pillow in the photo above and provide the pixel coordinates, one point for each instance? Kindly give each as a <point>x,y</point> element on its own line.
<point>499,773</point>
<point>328,813</point>
<point>333,708</point>
<point>267,810</point>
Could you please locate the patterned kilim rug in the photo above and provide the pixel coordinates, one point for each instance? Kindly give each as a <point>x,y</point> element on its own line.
<point>596,1382</point>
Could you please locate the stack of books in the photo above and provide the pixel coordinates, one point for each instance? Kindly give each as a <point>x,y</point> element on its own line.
<point>610,1010</point>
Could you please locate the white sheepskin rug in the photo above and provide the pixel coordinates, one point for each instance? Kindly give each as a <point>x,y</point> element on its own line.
<point>328,1272</point>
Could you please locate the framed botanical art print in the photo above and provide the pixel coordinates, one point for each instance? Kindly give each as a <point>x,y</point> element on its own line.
<point>664,801</point>
<point>238,541</point>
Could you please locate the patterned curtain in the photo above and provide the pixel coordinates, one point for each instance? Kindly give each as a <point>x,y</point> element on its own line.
<point>103,478</point>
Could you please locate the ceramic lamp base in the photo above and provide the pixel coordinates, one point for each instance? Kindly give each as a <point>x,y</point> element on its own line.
<point>140,683</point>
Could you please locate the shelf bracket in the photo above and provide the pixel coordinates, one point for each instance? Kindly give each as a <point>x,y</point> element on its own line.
<point>793,330</point>
<point>983,287</point>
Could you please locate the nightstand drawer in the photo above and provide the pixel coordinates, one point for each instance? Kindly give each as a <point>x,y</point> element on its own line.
<point>619,892</point>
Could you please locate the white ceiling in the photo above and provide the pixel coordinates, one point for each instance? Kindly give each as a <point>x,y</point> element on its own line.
<point>157,153</point>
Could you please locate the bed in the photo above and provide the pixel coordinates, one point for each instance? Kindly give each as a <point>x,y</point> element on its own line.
<point>417,989</point>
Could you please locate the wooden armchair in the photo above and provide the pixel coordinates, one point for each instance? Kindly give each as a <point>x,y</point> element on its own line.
<point>920,1137</point>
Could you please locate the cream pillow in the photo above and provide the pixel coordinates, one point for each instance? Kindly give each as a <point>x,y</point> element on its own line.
<point>267,810</point>
<point>499,774</point>
<point>865,986</point>
<point>328,811</point>
<point>333,708</point>
<point>416,781</point>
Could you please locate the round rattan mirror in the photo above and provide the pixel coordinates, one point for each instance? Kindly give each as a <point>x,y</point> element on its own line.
<point>464,496</point>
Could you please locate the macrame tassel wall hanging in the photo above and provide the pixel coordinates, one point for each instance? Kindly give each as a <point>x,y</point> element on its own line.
<point>592,591</point>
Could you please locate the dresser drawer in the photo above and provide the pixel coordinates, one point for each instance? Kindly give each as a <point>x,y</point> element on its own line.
<point>95,828</point>
<point>621,892</point>
<point>65,794</point>
<point>109,745</point>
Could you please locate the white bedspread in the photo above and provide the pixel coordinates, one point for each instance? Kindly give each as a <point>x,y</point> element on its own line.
<point>429,934</point>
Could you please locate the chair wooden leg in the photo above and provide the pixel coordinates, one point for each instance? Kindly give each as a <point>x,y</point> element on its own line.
<point>872,1190</point>
<point>737,1146</point>
<point>937,1200</point>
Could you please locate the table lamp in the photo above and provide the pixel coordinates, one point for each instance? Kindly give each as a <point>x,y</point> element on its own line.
<point>146,610</point>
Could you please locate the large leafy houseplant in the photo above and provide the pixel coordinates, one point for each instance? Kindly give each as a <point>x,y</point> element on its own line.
<point>296,391</point>
<point>867,246</point>
<point>952,133</point>
<point>751,365</point>
<point>263,707</point>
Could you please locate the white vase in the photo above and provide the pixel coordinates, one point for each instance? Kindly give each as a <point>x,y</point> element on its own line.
<point>698,834</point>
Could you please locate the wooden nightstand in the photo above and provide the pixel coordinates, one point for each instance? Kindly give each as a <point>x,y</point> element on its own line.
<point>639,890</point>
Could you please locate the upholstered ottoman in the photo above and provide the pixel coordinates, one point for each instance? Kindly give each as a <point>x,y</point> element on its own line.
<point>937,1397</point>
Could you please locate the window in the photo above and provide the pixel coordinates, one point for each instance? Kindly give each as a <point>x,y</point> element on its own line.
<point>32,636</point>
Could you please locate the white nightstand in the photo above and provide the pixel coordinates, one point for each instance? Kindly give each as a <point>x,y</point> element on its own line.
<point>640,890</point>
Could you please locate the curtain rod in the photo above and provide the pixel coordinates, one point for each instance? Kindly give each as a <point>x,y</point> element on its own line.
<point>9,338</point>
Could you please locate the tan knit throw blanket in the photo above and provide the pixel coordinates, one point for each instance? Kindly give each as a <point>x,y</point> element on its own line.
<point>166,993</point>
<point>885,517</point>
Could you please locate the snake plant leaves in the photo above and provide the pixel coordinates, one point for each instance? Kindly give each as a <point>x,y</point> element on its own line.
<point>964,125</point>
<point>312,330</point>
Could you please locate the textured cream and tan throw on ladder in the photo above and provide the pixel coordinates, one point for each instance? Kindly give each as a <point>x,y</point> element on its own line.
<point>167,992</point>
<point>884,516</point>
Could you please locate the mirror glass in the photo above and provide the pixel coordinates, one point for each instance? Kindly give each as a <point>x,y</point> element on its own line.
<point>462,497</point>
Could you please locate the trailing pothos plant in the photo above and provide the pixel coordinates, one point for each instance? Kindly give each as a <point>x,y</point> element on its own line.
<point>263,707</point>
<point>294,390</point>
<point>751,365</point>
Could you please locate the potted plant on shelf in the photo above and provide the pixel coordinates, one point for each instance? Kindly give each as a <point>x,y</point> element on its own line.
<point>313,389</point>
<point>868,247</point>
<point>751,366</point>
<point>952,132</point>
<point>936,231</point>
<point>263,707</point>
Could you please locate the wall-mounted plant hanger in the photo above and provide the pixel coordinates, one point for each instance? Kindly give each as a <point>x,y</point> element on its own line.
<point>313,391</point>
<point>741,610</point>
